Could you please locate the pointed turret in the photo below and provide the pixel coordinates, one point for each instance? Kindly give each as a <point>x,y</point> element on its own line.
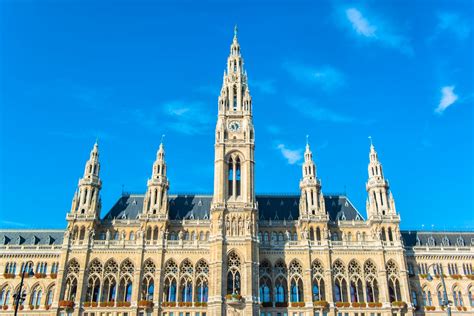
<point>156,198</point>
<point>235,97</point>
<point>311,196</point>
<point>86,200</point>
<point>380,200</point>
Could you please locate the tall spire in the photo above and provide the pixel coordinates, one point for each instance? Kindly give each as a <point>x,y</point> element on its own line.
<point>235,95</point>
<point>156,198</point>
<point>312,200</point>
<point>86,199</point>
<point>380,200</point>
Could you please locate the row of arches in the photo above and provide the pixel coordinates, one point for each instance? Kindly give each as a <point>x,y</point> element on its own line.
<point>280,283</point>
<point>36,296</point>
<point>456,292</point>
<point>186,282</point>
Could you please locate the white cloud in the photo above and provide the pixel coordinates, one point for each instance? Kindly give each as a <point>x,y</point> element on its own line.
<point>448,98</point>
<point>292,156</point>
<point>377,30</point>
<point>360,24</point>
<point>327,77</point>
<point>316,112</point>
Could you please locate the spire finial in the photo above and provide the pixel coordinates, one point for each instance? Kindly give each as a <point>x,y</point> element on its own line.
<point>307,139</point>
<point>235,31</point>
<point>371,143</point>
<point>162,138</point>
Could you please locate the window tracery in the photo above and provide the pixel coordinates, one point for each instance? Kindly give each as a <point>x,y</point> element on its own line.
<point>233,273</point>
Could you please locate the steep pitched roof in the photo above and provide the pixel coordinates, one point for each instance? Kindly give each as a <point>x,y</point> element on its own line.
<point>31,237</point>
<point>196,206</point>
<point>437,238</point>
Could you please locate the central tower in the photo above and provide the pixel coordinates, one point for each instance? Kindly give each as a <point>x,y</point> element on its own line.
<point>234,246</point>
<point>234,143</point>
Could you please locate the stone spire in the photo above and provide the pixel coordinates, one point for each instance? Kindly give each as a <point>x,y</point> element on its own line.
<point>311,200</point>
<point>235,95</point>
<point>380,200</point>
<point>156,198</point>
<point>86,199</point>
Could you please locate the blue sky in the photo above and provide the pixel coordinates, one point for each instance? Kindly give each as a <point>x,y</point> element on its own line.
<point>128,72</point>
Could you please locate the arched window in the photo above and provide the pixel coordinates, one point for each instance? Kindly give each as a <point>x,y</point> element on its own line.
<point>93,288</point>
<point>233,273</point>
<point>72,272</point>
<point>50,296</point>
<point>148,287</point>
<point>281,289</point>
<point>35,297</point>
<point>230,182</point>
<point>340,284</point>
<point>427,297</point>
<point>265,289</point>
<point>186,272</point>
<point>470,296</point>
<point>237,176</point>
<point>390,235</point>
<point>356,289</point>
<point>202,285</point>
<point>5,296</point>
<point>318,281</point>
<point>125,285</point>
<point>295,272</point>
<point>71,288</point>
<point>457,296</point>
<point>171,273</point>
<point>125,289</point>
<point>393,281</point>
<point>371,284</point>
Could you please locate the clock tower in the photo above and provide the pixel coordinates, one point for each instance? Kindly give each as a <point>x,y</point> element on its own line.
<point>234,143</point>
<point>233,239</point>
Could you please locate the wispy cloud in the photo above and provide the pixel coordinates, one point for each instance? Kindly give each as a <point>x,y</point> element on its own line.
<point>376,29</point>
<point>454,24</point>
<point>360,24</point>
<point>326,77</point>
<point>291,156</point>
<point>188,117</point>
<point>448,98</point>
<point>10,223</point>
<point>316,112</point>
<point>266,86</point>
<point>185,117</point>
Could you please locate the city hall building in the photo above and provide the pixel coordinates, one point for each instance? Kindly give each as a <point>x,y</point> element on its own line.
<point>235,252</point>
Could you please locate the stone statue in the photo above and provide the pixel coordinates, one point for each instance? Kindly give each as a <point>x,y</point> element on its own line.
<point>288,236</point>
<point>180,235</point>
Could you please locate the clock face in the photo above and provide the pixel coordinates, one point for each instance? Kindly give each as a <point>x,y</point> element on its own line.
<point>234,126</point>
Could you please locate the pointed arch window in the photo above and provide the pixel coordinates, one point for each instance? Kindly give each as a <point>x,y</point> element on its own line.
<point>281,290</point>
<point>265,290</point>
<point>237,176</point>
<point>230,183</point>
<point>233,273</point>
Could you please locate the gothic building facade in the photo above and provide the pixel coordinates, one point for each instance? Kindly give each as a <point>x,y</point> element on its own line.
<point>235,252</point>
